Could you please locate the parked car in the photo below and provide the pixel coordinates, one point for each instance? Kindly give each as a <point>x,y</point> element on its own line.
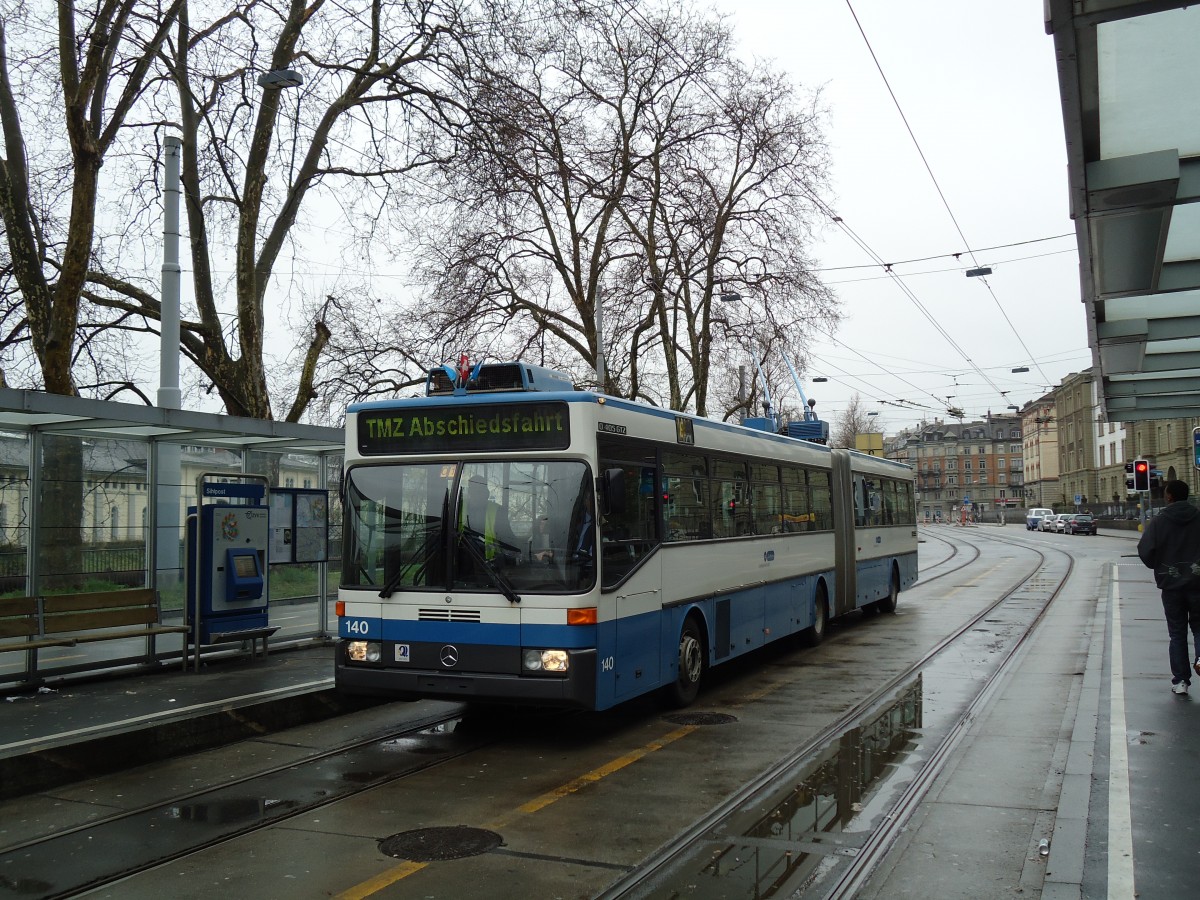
<point>1080,523</point>
<point>1060,523</point>
<point>1047,522</point>
<point>1034,517</point>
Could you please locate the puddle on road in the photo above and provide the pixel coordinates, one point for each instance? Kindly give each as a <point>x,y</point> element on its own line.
<point>782,839</point>
<point>790,842</point>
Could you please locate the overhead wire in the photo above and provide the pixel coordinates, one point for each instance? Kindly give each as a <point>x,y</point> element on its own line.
<point>937,186</point>
<point>879,262</point>
<point>840,222</point>
<point>951,255</point>
<point>887,274</point>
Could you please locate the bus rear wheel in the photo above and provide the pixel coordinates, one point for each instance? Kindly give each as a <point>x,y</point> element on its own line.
<point>815,633</point>
<point>888,603</point>
<point>686,686</point>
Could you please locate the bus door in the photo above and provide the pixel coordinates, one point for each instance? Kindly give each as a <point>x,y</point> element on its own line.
<point>640,625</point>
<point>630,566</point>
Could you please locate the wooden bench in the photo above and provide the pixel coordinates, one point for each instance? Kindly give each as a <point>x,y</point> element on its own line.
<point>65,620</point>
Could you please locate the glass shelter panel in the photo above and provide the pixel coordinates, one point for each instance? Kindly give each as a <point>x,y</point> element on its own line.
<point>14,512</point>
<point>92,513</point>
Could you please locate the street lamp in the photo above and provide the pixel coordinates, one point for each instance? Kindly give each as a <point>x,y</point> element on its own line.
<point>280,78</point>
<point>743,394</point>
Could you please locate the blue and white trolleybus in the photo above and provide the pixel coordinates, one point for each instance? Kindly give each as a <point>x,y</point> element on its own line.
<point>510,539</point>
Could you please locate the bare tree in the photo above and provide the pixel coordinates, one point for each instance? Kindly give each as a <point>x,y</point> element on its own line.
<point>528,225</point>
<point>852,422</point>
<point>372,108</point>
<point>371,72</point>
<point>724,225</point>
<point>621,160</point>
<point>49,188</point>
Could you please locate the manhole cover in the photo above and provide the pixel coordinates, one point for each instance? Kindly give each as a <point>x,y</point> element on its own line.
<point>444,842</point>
<point>700,718</point>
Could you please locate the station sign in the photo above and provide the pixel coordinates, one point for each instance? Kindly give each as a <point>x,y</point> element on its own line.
<point>232,489</point>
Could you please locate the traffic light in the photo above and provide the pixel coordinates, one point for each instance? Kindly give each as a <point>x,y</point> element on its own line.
<point>1141,475</point>
<point>1129,476</point>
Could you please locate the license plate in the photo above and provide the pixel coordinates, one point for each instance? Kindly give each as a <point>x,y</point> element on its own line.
<point>402,653</point>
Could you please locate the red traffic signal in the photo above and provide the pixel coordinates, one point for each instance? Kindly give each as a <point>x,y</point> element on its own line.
<point>1141,475</point>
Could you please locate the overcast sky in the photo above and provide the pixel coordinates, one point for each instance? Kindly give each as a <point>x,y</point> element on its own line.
<point>978,86</point>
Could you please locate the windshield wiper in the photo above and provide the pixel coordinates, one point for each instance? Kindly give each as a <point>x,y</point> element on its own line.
<point>499,579</point>
<point>419,559</point>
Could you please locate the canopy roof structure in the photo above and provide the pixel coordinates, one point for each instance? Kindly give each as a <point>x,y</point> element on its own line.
<point>1129,78</point>
<point>24,411</point>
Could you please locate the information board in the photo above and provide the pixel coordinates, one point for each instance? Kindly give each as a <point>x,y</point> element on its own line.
<point>299,525</point>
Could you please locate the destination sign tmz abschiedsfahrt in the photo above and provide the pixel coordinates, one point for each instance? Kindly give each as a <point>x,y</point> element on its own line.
<point>519,426</point>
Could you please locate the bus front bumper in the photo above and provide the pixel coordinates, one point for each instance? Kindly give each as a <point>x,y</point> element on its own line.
<point>576,689</point>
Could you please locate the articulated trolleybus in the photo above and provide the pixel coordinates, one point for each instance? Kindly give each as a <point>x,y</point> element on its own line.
<point>510,539</point>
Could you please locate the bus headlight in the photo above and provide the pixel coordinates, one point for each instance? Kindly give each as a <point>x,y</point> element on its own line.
<point>364,651</point>
<point>546,661</point>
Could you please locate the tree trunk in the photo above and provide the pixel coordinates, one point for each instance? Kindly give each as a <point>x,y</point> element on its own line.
<point>60,514</point>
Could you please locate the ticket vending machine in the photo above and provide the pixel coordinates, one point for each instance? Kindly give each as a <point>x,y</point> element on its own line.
<point>227,540</point>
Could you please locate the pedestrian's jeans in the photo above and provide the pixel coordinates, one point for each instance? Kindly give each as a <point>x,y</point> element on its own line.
<point>1182,609</point>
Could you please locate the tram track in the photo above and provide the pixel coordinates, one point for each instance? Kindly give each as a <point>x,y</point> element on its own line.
<point>244,806</point>
<point>881,839</point>
<point>99,852</point>
<point>845,868</point>
<point>929,573</point>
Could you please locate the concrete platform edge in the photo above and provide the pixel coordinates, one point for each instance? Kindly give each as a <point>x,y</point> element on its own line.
<point>1064,867</point>
<point>47,766</point>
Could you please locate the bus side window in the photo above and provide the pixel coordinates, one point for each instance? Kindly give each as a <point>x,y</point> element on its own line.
<point>686,507</point>
<point>628,536</point>
<point>822,500</point>
<point>797,505</point>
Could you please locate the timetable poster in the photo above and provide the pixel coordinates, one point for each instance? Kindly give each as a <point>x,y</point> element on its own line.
<point>312,526</point>
<point>280,550</point>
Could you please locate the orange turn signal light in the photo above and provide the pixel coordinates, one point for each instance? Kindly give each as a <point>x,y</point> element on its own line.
<point>582,616</point>
<point>339,608</point>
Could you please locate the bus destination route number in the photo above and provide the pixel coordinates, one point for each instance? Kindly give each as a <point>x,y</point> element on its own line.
<point>684,431</point>
<point>513,426</point>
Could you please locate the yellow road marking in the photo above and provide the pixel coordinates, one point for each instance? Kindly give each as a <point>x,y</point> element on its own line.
<point>593,776</point>
<point>380,881</point>
<point>391,876</point>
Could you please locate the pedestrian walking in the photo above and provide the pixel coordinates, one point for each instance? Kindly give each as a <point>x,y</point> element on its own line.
<point>1170,546</point>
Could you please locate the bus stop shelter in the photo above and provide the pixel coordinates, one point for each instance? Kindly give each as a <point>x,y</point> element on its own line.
<point>94,496</point>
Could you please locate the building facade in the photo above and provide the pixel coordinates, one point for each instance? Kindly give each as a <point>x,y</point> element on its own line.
<point>1077,410</point>
<point>967,467</point>
<point>1039,424</point>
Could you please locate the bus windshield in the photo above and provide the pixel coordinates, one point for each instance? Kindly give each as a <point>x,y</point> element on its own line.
<point>495,526</point>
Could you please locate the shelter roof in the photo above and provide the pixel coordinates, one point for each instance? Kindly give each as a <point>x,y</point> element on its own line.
<point>1129,80</point>
<point>26,411</point>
